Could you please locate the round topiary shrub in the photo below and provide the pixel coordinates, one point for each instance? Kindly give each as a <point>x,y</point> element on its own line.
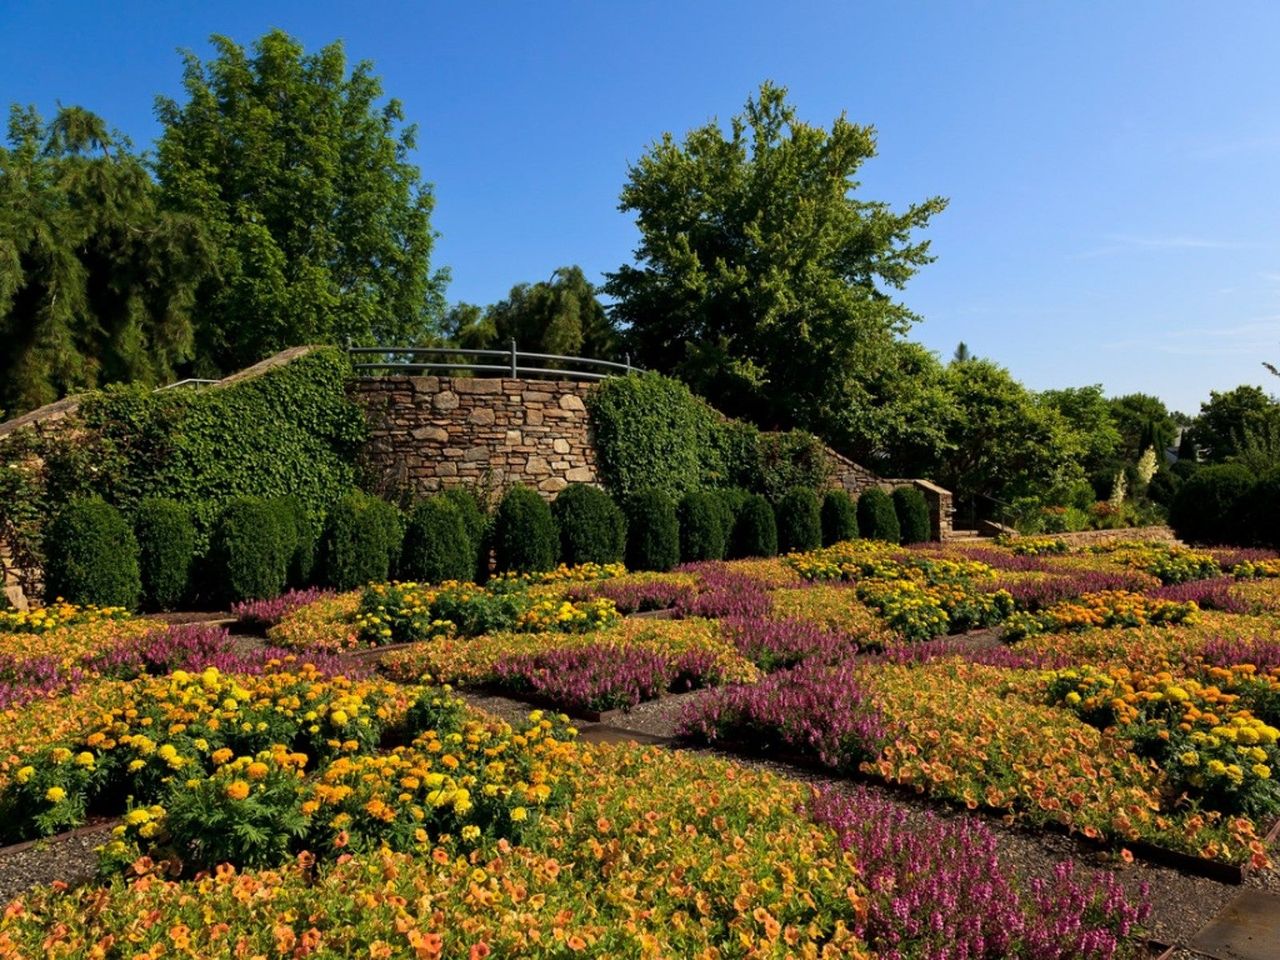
<point>755,531</point>
<point>877,520</point>
<point>477,523</point>
<point>436,545</point>
<point>799,517</point>
<point>166,550</point>
<point>653,531</point>
<point>91,556</point>
<point>1210,506</point>
<point>839,518</point>
<point>592,528</point>
<point>703,523</point>
<point>1261,508</point>
<point>913,515</point>
<point>390,520</point>
<point>729,501</point>
<point>249,551</point>
<point>357,547</point>
<point>525,539</point>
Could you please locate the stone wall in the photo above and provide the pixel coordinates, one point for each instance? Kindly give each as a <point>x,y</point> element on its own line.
<point>428,433</point>
<point>1086,538</point>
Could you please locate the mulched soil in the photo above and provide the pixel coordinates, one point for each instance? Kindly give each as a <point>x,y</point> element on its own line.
<point>71,860</point>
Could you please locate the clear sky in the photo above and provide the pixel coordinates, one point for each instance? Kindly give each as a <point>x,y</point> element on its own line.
<point>1112,167</point>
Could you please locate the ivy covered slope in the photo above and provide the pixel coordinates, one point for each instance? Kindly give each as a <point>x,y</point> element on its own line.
<point>290,430</point>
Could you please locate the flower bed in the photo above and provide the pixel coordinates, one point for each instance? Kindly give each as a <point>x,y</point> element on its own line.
<point>58,614</point>
<point>261,614</point>
<point>327,624</point>
<point>639,592</point>
<point>157,728</point>
<point>1106,609</point>
<point>472,661</point>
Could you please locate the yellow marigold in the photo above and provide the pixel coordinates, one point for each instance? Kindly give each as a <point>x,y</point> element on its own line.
<point>55,795</point>
<point>237,790</point>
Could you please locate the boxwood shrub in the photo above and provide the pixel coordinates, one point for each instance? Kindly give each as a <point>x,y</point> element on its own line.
<point>877,520</point>
<point>799,517</point>
<point>362,533</point>
<point>913,515</point>
<point>839,517</point>
<point>91,556</point>
<point>653,531</point>
<point>166,551</point>
<point>437,546</point>
<point>592,527</point>
<point>755,531</point>
<point>302,534</point>
<point>703,527</point>
<point>525,538</point>
<point>249,555</point>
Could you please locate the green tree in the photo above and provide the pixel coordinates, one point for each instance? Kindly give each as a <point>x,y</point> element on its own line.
<point>96,282</point>
<point>301,174</point>
<point>1089,413</point>
<point>1003,442</point>
<point>1235,420</point>
<point>1143,421</point>
<point>561,315</point>
<point>761,279</point>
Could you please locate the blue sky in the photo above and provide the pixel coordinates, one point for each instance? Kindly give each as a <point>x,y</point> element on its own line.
<point>1112,168</point>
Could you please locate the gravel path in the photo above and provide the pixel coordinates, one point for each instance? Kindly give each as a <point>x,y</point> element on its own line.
<point>71,860</point>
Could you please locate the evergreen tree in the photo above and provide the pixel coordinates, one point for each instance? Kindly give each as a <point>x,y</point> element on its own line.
<point>96,281</point>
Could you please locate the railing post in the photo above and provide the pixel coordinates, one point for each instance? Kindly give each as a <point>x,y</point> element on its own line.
<point>514,368</point>
<point>628,360</point>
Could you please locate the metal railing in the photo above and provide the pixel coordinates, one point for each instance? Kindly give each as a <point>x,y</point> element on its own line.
<point>189,382</point>
<point>512,362</point>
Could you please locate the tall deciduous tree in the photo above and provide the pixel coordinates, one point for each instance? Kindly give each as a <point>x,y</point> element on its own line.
<point>1231,420</point>
<point>560,315</point>
<point>96,282</point>
<point>1143,421</point>
<point>1088,412</point>
<point>301,172</point>
<point>761,279</point>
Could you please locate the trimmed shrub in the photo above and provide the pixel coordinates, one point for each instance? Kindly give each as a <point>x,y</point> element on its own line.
<point>301,537</point>
<point>525,539</point>
<point>876,517</point>
<point>1210,505</point>
<point>1261,509</point>
<point>468,507</point>
<point>653,531</point>
<point>357,547</point>
<point>390,521</point>
<point>249,555</point>
<point>913,515</point>
<point>755,531</point>
<point>703,527</point>
<point>592,527</point>
<point>839,517</point>
<point>91,556</point>
<point>799,517</point>
<point>436,544</point>
<point>166,550</point>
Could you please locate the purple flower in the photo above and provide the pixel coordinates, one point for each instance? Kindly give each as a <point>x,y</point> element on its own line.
<point>774,644</point>
<point>592,677</point>
<point>1045,592</point>
<point>937,888</point>
<point>1212,594</point>
<point>725,593</point>
<point>268,613</point>
<point>636,597</point>
<point>815,709</point>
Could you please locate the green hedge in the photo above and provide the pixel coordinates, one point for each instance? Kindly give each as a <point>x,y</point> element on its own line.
<point>652,433</point>
<point>755,530</point>
<point>790,460</point>
<point>877,520</point>
<point>592,527</point>
<point>91,556</point>
<point>166,552</point>
<point>1211,506</point>
<point>839,517</point>
<point>289,431</point>
<point>250,550</point>
<point>653,531</point>
<point>913,515</point>
<point>703,527</point>
<point>477,523</point>
<point>525,538</point>
<point>799,517</point>
<point>437,546</point>
<point>362,535</point>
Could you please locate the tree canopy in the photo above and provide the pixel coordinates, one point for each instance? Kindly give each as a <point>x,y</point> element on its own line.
<point>561,315</point>
<point>96,280</point>
<point>762,279</point>
<point>300,174</point>
<point>1232,420</point>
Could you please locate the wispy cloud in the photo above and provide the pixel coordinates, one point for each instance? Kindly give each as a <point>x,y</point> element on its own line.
<point>1128,243</point>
